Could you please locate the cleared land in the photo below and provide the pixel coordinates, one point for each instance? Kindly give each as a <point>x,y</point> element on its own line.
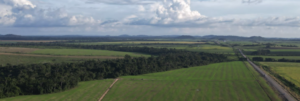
<point>289,71</point>
<point>86,91</point>
<point>230,81</point>
<point>86,52</point>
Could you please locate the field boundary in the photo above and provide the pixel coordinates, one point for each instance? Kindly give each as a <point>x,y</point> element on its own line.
<point>260,83</point>
<point>276,85</point>
<point>100,99</point>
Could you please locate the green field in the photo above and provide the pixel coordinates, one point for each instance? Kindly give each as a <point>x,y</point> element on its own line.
<point>137,42</point>
<point>15,60</point>
<point>86,52</point>
<point>230,81</point>
<point>290,71</point>
<point>86,91</point>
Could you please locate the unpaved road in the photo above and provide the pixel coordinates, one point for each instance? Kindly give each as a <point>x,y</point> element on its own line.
<point>108,90</point>
<point>281,90</point>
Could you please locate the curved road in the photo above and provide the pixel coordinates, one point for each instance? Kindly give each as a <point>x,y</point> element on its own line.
<point>280,89</point>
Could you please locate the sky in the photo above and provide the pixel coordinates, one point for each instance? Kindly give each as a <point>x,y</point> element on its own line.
<point>267,18</point>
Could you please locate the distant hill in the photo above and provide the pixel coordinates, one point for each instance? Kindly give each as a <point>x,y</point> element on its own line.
<point>185,37</point>
<point>12,35</point>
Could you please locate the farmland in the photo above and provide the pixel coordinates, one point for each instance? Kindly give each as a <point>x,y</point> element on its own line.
<point>85,52</point>
<point>289,71</point>
<point>228,81</point>
<point>86,91</point>
<point>138,42</point>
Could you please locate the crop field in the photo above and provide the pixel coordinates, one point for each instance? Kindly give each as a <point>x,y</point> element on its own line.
<point>86,52</point>
<point>86,91</point>
<point>290,71</point>
<point>14,41</point>
<point>138,42</point>
<point>15,59</point>
<point>229,81</point>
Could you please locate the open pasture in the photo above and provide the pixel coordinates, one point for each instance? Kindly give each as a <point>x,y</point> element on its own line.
<point>16,50</point>
<point>15,41</point>
<point>86,91</point>
<point>138,42</point>
<point>16,59</point>
<point>229,81</point>
<point>289,71</point>
<point>86,52</point>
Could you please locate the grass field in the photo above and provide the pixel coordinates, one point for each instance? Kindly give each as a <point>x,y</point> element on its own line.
<point>15,41</point>
<point>290,71</point>
<point>138,42</point>
<point>19,59</point>
<point>86,52</point>
<point>86,91</point>
<point>230,81</point>
<point>16,50</point>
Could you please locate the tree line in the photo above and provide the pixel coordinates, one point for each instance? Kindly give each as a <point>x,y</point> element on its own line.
<point>49,78</point>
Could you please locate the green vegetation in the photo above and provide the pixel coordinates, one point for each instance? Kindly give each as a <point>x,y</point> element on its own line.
<point>15,59</point>
<point>275,57</point>
<point>86,91</point>
<point>86,52</point>
<point>137,42</point>
<point>289,71</point>
<point>229,81</point>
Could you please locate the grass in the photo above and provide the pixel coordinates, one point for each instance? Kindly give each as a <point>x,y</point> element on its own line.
<point>230,81</point>
<point>137,42</point>
<point>15,60</point>
<point>86,91</point>
<point>16,50</point>
<point>289,71</point>
<point>86,52</point>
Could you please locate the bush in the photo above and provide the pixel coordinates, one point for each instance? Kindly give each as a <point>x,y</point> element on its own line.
<point>270,59</point>
<point>258,59</point>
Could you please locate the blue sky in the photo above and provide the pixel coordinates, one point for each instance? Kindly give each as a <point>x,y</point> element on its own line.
<point>268,18</point>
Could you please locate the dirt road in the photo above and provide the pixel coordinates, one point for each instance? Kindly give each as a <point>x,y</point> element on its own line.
<point>100,99</point>
<point>275,84</point>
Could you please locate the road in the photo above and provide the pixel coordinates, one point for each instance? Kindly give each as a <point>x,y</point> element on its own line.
<point>275,84</point>
<point>100,99</point>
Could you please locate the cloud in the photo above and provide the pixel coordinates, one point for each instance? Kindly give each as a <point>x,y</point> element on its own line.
<point>123,2</point>
<point>178,13</point>
<point>22,13</point>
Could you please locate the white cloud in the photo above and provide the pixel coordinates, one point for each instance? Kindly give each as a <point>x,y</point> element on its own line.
<point>22,13</point>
